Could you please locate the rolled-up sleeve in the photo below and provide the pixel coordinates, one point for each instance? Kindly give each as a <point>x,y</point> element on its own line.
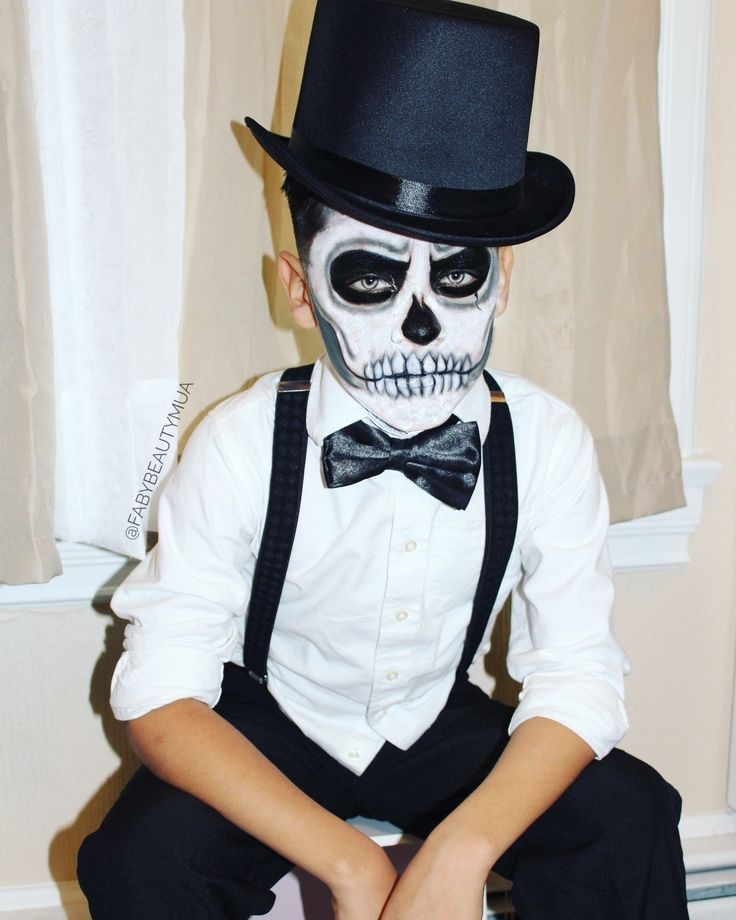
<point>183,600</point>
<point>561,647</point>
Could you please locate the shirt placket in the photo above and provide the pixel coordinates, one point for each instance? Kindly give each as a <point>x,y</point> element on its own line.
<point>401,612</point>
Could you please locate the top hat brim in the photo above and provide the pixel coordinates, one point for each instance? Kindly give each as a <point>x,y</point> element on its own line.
<point>545,199</point>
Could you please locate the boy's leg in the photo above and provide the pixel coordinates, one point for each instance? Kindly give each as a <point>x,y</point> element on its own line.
<point>161,853</point>
<point>607,849</point>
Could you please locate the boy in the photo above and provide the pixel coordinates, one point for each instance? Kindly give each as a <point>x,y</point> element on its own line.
<point>336,543</point>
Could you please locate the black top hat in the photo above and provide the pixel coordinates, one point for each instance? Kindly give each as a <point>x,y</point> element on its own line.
<point>413,115</point>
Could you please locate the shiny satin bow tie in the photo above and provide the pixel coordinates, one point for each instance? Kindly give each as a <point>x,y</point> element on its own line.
<point>444,461</point>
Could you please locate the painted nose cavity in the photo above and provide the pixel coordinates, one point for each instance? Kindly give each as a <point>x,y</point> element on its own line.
<point>420,325</point>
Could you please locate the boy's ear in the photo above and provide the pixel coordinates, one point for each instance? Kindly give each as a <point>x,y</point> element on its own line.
<point>294,281</point>
<point>505,265</point>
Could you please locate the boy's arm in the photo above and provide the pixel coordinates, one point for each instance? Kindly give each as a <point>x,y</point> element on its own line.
<point>562,649</point>
<point>182,604</point>
<point>189,746</point>
<point>447,876</point>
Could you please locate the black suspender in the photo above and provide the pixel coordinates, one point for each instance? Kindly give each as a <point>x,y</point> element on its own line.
<point>287,475</point>
<point>282,514</point>
<point>502,511</point>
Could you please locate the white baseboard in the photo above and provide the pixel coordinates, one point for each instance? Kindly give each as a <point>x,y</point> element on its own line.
<point>47,894</point>
<point>709,847</point>
<point>719,909</point>
<point>713,824</point>
<point>709,841</point>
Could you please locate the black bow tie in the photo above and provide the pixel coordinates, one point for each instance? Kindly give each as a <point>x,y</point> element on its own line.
<point>443,461</point>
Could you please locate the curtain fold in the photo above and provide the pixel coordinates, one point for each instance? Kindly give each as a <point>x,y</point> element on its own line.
<point>27,549</point>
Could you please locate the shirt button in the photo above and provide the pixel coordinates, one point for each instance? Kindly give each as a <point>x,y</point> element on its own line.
<point>401,616</point>
<point>410,546</point>
<point>392,675</point>
<point>354,753</point>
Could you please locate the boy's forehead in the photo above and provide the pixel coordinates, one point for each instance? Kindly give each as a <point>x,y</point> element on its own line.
<point>341,230</point>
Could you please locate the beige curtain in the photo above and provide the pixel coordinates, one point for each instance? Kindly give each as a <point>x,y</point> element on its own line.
<point>588,317</point>
<point>27,549</point>
<point>589,314</point>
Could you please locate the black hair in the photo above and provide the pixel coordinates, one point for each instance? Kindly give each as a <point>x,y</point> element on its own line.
<point>308,213</point>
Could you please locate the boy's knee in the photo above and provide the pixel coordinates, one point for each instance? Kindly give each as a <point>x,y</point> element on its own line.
<point>88,862</point>
<point>98,871</point>
<point>640,795</point>
<point>124,877</point>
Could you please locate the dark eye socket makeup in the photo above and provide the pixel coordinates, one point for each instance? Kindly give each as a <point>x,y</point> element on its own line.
<point>462,274</point>
<point>362,277</point>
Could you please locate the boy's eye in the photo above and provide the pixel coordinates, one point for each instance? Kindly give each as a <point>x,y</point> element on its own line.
<point>458,283</point>
<point>457,279</point>
<point>461,274</point>
<point>366,278</point>
<point>372,284</point>
<point>366,289</point>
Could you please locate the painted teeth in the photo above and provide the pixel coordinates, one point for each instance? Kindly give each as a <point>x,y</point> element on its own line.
<point>413,365</point>
<point>413,376</point>
<point>417,384</point>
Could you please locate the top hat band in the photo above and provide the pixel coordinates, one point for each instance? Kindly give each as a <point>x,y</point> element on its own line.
<point>399,194</point>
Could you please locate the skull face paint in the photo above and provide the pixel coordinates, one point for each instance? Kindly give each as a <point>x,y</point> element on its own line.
<point>407,324</point>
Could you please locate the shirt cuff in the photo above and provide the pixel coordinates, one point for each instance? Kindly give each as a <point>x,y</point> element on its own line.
<point>145,679</point>
<point>590,708</point>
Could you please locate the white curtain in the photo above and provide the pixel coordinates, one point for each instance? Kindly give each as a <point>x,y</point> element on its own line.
<point>108,82</point>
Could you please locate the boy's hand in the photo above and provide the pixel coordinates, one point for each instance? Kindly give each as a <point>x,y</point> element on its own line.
<point>445,879</point>
<point>361,894</point>
<point>188,745</point>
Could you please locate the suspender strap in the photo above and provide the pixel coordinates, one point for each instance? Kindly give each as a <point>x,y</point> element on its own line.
<point>502,511</point>
<point>284,498</point>
<point>287,476</point>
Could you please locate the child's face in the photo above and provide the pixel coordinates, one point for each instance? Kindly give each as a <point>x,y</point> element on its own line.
<point>407,324</point>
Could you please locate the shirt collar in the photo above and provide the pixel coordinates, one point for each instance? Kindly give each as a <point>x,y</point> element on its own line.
<point>330,407</point>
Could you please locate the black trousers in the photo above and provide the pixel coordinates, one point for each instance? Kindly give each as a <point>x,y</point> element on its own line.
<point>608,849</point>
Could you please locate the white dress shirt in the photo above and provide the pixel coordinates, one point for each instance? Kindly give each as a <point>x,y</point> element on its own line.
<point>381,580</point>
